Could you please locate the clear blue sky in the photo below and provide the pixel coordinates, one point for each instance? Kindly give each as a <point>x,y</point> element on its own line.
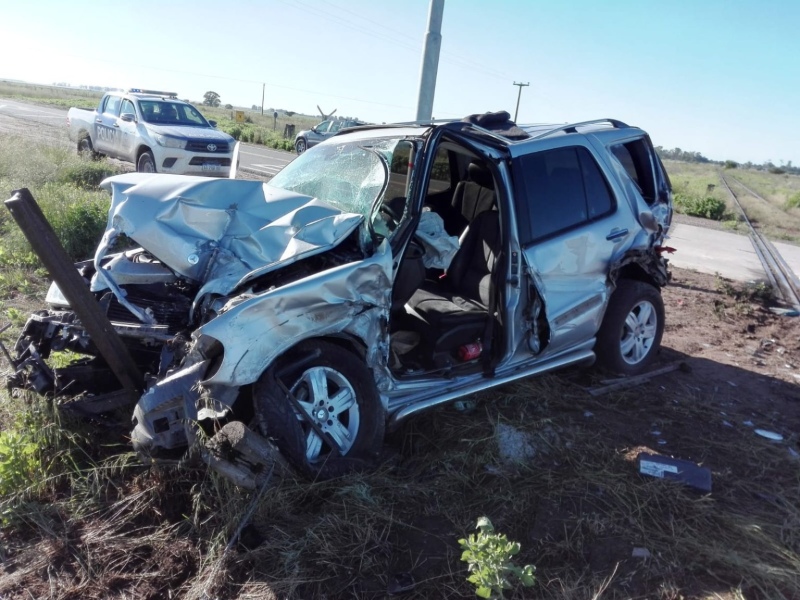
<point>721,77</point>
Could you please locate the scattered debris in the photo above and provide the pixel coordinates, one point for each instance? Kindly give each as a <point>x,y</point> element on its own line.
<point>784,312</point>
<point>640,553</point>
<point>770,435</point>
<point>747,423</point>
<point>675,469</point>
<point>612,385</point>
<point>793,453</point>
<point>727,423</point>
<point>588,414</point>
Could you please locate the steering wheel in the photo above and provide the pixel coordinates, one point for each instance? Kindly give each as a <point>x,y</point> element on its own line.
<point>394,218</point>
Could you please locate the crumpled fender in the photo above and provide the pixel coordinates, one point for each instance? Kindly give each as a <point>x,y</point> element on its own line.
<point>352,298</point>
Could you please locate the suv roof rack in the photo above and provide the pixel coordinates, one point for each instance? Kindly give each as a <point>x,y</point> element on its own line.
<point>152,93</point>
<point>573,127</point>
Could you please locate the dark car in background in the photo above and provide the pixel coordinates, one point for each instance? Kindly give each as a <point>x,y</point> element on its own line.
<point>319,133</point>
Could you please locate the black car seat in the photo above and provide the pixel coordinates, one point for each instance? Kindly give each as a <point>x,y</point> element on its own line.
<point>455,310</point>
<point>472,196</point>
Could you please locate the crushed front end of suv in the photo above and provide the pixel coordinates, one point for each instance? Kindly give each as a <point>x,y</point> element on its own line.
<point>386,271</point>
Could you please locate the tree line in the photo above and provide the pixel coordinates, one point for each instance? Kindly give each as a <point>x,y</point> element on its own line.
<point>696,157</point>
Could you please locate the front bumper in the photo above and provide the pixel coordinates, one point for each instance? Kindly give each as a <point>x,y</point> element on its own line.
<point>178,162</point>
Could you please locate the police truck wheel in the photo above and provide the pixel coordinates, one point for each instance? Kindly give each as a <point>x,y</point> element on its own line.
<point>146,163</point>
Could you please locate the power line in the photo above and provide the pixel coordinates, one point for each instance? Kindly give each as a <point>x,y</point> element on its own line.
<point>407,42</point>
<point>521,85</point>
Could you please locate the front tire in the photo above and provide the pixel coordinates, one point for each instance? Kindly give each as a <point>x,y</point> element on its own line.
<point>630,336</point>
<point>337,389</point>
<point>146,163</point>
<point>300,146</point>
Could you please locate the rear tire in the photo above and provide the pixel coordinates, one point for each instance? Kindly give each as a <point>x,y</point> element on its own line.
<point>86,149</point>
<point>146,163</point>
<point>337,388</point>
<point>630,336</point>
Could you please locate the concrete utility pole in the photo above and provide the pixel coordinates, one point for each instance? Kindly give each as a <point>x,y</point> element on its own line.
<point>430,61</point>
<point>521,85</point>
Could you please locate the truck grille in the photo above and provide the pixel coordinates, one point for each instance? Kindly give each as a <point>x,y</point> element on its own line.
<point>202,160</point>
<point>202,146</point>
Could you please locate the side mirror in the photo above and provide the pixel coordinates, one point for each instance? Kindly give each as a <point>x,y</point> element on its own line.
<point>314,129</point>
<point>128,117</point>
<point>212,122</point>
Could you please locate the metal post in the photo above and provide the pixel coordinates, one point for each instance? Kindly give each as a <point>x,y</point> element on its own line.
<point>521,85</point>
<point>430,61</point>
<point>263,85</point>
<point>45,244</point>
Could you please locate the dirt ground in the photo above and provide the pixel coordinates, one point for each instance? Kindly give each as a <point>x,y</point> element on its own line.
<point>575,502</point>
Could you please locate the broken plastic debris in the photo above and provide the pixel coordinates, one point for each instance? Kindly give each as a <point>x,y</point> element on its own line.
<point>675,469</point>
<point>727,424</point>
<point>747,423</point>
<point>588,414</point>
<point>785,312</point>
<point>793,453</point>
<point>770,435</point>
<point>640,553</point>
<point>662,442</point>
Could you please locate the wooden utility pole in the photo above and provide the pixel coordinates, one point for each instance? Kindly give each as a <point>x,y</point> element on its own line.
<point>521,85</point>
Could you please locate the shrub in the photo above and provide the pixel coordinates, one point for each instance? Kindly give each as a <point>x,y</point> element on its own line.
<point>793,201</point>
<point>707,207</point>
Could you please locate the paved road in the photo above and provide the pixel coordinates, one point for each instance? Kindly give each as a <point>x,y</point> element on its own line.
<point>19,117</point>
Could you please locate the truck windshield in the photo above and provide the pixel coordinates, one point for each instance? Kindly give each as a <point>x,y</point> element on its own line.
<point>164,112</point>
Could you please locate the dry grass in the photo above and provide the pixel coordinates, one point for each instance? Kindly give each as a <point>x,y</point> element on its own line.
<point>578,508</point>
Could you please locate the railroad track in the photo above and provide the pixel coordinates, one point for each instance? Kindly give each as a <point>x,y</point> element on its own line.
<point>780,275</point>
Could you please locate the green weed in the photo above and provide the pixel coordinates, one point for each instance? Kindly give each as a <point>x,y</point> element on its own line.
<point>19,460</point>
<point>489,556</point>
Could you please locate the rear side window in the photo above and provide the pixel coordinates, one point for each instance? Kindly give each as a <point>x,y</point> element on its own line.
<point>127,107</point>
<point>112,105</point>
<point>564,188</point>
<point>635,158</point>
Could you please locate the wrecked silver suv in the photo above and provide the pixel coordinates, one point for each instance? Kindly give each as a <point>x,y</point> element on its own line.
<point>386,271</point>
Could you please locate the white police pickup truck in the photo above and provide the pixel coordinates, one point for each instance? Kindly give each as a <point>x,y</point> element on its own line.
<point>155,131</point>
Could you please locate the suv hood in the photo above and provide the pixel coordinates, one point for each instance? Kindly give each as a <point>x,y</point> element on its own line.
<point>190,132</point>
<point>219,232</point>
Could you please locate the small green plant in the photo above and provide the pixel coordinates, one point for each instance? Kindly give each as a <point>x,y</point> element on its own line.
<point>489,556</point>
<point>19,462</point>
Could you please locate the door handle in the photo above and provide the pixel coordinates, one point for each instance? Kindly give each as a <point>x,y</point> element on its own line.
<point>116,124</point>
<point>98,120</point>
<point>616,234</point>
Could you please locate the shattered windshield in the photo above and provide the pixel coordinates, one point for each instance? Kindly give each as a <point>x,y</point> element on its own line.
<point>350,176</point>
